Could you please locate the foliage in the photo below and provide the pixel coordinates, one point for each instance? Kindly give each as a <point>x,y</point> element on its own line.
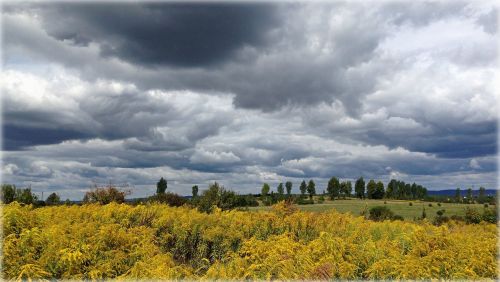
<point>194,190</point>
<point>53,199</point>
<point>288,186</point>
<point>346,188</point>
<point>333,188</point>
<point>280,189</point>
<point>303,188</point>
<point>161,186</point>
<point>265,189</point>
<point>105,195</point>
<point>311,189</point>
<point>8,193</point>
<point>168,198</point>
<point>154,241</point>
<point>216,196</point>
<point>359,188</point>
<point>380,213</point>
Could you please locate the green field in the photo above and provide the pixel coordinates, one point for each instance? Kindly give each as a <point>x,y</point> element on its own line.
<point>399,207</point>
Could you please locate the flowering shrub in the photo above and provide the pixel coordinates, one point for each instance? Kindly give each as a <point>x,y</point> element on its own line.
<point>154,241</point>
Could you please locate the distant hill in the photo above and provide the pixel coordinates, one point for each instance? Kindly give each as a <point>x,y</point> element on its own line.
<point>451,192</point>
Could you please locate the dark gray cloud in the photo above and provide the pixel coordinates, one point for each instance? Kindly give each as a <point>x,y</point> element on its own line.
<point>157,34</point>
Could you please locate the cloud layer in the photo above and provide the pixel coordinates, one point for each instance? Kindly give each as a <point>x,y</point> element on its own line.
<point>247,93</point>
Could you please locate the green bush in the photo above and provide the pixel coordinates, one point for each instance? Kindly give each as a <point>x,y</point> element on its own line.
<point>472,216</point>
<point>397,217</point>
<point>430,205</point>
<point>380,213</point>
<point>490,215</point>
<point>304,201</point>
<point>321,199</point>
<point>105,195</point>
<point>410,204</point>
<point>168,198</point>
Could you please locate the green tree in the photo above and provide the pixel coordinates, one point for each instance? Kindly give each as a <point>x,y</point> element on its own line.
<point>194,190</point>
<point>371,189</point>
<point>265,189</point>
<point>469,195</point>
<point>161,186</point>
<point>414,190</point>
<point>303,188</point>
<point>105,195</point>
<point>482,195</point>
<point>288,186</point>
<point>281,189</point>
<point>311,189</point>
<point>333,188</point>
<point>359,188</point>
<point>8,193</point>
<point>458,195</point>
<point>379,191</point>
<point>53,199</point>
<point>25,196</point>
<point>392,188</point>
<point>401,190</point>
<point>345,188</point>
<point>217,196</point>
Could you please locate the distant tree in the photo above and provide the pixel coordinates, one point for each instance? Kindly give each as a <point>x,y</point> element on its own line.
<point>413,190</point>
<point>194,190</point>
<point>281,189</point>
<point>170,199</point>
<point>218,196</point>
<point>333,188</point>
<point>265,189</point>
<point>359,188</point>
<point>303,188</point>
<point>288,186</point>
<point>25,196</point>
<point>407,191</point>
<point>482,195</point>
<point>458,196</point>
<point>161,186</point>
<point>401,190</point>
<point>311,189</point>
<point>469,195</point>
<point>345,188</point>
<point>371,189</point>
<point>53,199</point>
<point>8,193</point>
<point>67,202</point>
<point>392,188</point>
<point>379,191</point>
<point>421,192</point>
<point>105,195</point>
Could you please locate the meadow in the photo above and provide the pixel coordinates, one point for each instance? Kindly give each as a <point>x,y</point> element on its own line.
<point>400,207</point>
<point>155,241</point>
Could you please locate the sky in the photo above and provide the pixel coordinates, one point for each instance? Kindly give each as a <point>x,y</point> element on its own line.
<point>248,93</point>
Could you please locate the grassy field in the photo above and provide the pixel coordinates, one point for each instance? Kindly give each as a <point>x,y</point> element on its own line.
<point>399,207</point>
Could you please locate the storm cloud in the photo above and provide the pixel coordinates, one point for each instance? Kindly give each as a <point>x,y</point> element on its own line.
<point>250,92</point>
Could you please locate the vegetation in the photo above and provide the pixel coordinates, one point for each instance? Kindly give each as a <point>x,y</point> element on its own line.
<point>10,194</point>
<point>168,198</point>
<point>53,199</point>
<point>105,195</point>
<point>161,186</point>
<point>154,241</point>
